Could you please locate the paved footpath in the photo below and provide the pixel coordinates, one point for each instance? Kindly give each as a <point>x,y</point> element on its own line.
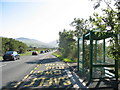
<point>50,73</point>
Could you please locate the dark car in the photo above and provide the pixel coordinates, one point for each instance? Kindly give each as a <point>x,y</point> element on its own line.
<point>11,55</point>
<point>34,53</point>
<point>41,52</point>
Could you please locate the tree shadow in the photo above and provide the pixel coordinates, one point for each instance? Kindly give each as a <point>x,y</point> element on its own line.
<point>106,84</point>
<point>48,79</point>
<point>44,61</point>
<point>57,77</point>
<point>9,85</point>
<point>7,61</point>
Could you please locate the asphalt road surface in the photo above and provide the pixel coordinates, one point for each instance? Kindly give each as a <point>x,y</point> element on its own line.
<point>47,72</point>
<point>14,71</point>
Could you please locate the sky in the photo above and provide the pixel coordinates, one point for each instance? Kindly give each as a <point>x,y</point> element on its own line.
<point>40,19</point>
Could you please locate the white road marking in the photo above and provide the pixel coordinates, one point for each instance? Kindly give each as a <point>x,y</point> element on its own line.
<point>3,65</point>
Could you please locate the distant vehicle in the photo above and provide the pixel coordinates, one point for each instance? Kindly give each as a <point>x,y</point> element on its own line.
<point>48,50</point>
<point>45,51</point>
<point>41,52</point>
<point>11,55</point>
<point>34,53</point>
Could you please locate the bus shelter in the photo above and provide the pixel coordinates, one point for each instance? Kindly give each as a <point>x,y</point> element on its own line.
<point>93,55</point>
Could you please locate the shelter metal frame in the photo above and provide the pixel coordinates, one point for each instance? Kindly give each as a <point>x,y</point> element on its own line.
<point>90,36</point>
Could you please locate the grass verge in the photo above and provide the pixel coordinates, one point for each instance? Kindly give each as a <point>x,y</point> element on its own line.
<point>26,54</point>
<point>1,58</point>
<point>62,58</point>
<point>69,60</point>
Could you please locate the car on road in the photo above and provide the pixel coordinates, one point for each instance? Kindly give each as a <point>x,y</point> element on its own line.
<point>34,53</point>
<point>11,55</point>
<point>41,52</point>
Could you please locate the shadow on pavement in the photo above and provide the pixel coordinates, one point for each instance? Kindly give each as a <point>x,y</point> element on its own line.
<point>47,79</point>
<point>7,61</point>
<point>106,84</point>
<point>57,78</point>
<point>44,61</point>
<point>51,78</point>
<point>9,85</point>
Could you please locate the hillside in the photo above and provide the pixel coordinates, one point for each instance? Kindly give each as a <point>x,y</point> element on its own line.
<point>36,43</point>
<point>53,44</point>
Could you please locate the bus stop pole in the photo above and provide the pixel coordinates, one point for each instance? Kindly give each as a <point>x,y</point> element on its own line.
<point>78,55</point>
<point>91,55</point>
<point>83,53</point>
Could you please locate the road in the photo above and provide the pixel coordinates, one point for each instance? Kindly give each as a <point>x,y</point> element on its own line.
<point>48,72</point>
<point>14,71</point>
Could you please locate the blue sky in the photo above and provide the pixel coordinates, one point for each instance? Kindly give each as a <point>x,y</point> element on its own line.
<point>41,19</point>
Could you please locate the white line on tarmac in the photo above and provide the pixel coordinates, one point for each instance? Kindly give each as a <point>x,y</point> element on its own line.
<point>3,65</point>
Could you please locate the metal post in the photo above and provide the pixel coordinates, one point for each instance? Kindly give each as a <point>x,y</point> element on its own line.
<point>91,53</point>
<point>116,69</point>
<point>116,73</point>
<point>116,61</point>
<point>103,50</point>
<point>83,53</point>
<point>78,55</point>
<point>95,51</point>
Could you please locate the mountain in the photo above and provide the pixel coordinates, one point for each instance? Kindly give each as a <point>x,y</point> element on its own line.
<point>53,43</point>
<point>36,43</point>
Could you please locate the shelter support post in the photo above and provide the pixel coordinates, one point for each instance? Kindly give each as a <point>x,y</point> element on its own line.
<point>104,51</point>
<point>95,51</point>
<point>83,53</point>
<point>91,55</point>
<point>78,55</point>
<point>116,60</point>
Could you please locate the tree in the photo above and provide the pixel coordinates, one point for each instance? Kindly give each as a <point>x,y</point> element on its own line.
<point>66,43</point>
<point>9,44</point>
<point>108,22</point>
<point>81,26</point>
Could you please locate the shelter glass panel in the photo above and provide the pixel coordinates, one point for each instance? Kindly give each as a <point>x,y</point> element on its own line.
<point>81,53</point>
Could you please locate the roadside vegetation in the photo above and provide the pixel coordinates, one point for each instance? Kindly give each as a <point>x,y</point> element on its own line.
<point>107,21</point>
<point>59,55</point>
<point>9,44</point>
<point>1,58</point>
<point>26,54</point>
<point>29,52</point>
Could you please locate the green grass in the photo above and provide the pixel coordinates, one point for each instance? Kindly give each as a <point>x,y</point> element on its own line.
<point>119,72</point>
<point>1,58</point>
<point>64,59</point>
<point>57,55</point>
<point>68,60</point>
<point>26,54</point>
